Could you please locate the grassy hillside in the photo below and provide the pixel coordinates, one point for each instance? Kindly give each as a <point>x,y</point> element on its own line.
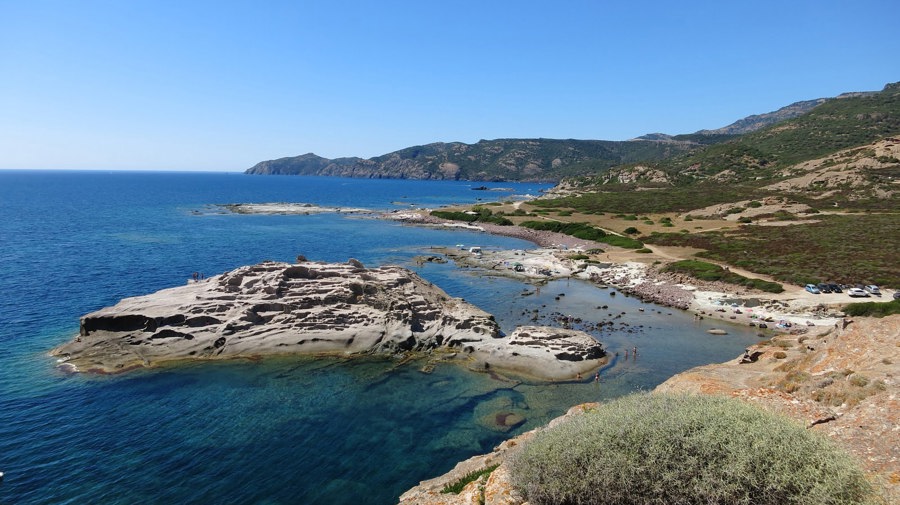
<point>814,198</point>
<point>758,158</point>
<point>830,127</point>
<point>847,249</point>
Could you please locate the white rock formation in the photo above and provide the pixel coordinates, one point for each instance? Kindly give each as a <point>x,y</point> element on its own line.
<point>314,308</point>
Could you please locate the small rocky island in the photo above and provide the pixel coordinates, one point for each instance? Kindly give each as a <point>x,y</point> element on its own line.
<point>317,308</point>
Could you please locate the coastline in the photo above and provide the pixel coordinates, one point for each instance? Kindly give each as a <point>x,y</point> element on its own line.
<point>839,383</point>
<point>634,274</point>
<point>810,354</point>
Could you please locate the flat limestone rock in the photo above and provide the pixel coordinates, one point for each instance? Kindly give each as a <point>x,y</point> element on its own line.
<point>309,308</point>
<point>530,349</point>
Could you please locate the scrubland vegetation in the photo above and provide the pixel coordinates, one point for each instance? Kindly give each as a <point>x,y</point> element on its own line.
<point>660,449</point>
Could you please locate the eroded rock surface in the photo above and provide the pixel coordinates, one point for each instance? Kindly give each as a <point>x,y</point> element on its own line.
<point>312,308</point>
<point>841,382</point>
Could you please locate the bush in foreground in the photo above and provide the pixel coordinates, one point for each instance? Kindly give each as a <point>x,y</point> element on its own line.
<point>661,449</point>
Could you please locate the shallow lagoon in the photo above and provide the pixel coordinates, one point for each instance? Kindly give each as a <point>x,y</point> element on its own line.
<point>284,430</point>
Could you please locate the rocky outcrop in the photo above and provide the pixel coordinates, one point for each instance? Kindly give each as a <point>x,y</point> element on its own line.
<point>494,488</point>
<point>528,348</point>
<point>312,308</point>
<point>840,382</point>
<point>759,121</point>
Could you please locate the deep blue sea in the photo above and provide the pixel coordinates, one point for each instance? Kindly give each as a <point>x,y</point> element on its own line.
<point>287,430</point>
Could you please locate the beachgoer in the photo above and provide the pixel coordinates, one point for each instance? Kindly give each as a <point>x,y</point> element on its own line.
<point>597,377</point>
<point>635,352</point>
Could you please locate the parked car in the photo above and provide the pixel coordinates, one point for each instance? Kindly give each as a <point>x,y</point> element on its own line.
<point>871,288</point>
<point>812,289</point>
<point>897,295</point>
<point>823,288</point>
<point>835,288</point>
<point>857,293</point>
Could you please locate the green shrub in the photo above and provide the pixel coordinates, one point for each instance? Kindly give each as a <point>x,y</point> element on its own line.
<point>580,230</point>
<point>711,272</point>
<point>643,250</point>
<point>455,216</point>
<point>783,215</point>
<point>480,214</point>
<point>457,487</point>
<point>624,242</point>
<point>660,448</point>
<point>873,309</point>
<point>631,230</point>
<point>755,204</point>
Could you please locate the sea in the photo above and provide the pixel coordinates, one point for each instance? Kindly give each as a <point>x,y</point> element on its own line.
<point>282,430</point>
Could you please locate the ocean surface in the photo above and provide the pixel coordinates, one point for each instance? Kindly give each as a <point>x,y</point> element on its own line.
<point>285,430</point>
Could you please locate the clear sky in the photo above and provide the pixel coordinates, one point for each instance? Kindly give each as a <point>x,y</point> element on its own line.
<point>221,85</point>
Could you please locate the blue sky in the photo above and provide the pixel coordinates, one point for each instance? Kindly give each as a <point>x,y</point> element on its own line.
<point>220,85</point>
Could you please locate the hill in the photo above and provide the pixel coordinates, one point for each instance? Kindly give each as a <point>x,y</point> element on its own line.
<point>486,160</point>
<point>757,121</point>
<point>527,159</point>
<point>808,200</point>
<point>853,133</point>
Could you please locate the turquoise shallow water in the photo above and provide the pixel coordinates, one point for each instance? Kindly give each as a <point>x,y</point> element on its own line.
<point>285,430</point>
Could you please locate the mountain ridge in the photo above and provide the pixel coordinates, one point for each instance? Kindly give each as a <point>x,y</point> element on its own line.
<point>535,159</point>
<point>485,160</point>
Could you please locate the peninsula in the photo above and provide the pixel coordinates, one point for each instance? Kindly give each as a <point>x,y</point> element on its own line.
<point>317,308</point>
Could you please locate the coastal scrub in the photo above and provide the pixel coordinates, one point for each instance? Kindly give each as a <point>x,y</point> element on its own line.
<point>712,272</point>
<point>661,448</point>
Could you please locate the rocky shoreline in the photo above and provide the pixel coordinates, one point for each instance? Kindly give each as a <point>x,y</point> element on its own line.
<point>317,308</point>
<point>840,382</point>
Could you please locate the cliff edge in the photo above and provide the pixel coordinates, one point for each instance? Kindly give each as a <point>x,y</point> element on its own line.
<point>839,380</point>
